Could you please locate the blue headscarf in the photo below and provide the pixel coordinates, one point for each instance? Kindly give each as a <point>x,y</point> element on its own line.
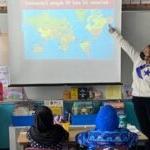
<point>107,119</point>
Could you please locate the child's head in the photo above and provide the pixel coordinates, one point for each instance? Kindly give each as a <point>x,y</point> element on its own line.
<point>107,119</point>
<point>43,118</point>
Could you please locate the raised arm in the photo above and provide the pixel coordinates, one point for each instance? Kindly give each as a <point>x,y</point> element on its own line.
<point>125,45</point>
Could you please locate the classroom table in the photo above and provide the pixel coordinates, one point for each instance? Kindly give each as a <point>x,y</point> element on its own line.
<point>73,130</point>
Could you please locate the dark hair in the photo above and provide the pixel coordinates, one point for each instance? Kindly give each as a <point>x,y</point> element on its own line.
<point>43,118</point>
<point>148,46</point>
<point>142,55</point>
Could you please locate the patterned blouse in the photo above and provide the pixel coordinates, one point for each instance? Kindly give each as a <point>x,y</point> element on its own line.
<point>97,139</point>
<point>34,144</point>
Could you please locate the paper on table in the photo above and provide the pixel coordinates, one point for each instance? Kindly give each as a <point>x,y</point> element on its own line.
<point>133,128</point>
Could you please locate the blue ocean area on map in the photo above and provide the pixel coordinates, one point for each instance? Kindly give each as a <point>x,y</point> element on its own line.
<point>67,34</point>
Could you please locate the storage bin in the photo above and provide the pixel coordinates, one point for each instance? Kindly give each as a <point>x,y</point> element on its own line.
<point>22,120</point>
<point>83,119</point>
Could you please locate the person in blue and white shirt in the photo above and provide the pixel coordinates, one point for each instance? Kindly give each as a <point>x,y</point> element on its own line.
<point>141,80</point>
<point>107,135</point>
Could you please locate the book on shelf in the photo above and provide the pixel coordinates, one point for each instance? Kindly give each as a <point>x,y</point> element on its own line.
<point>83,93</point>
<point>113,92</point>
<point>66,94</point>
<point>55,105</point>
<point>74,93</point>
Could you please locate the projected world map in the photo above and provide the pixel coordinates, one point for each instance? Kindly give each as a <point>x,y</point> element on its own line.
<point>67,34</point>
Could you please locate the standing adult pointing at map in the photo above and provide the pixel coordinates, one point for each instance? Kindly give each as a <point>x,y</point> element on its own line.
<point>141,80</point>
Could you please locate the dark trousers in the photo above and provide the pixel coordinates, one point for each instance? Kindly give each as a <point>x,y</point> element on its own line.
<point>142,110</point>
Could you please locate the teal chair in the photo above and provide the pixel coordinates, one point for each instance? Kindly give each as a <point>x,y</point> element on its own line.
<point>130,113</point>
<point>6,111</point>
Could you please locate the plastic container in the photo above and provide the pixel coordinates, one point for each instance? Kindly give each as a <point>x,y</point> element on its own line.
<point>22,120</point>
<point>83,119</point>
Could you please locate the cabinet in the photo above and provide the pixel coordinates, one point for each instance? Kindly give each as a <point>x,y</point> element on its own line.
<point>5,121</point>
<point>13,135</point>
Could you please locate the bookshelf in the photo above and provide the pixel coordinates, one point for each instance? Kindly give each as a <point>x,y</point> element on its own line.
<point>135,7</point>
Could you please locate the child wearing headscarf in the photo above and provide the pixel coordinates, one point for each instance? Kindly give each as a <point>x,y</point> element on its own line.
<point>44,133</point>
<point>107,135</point>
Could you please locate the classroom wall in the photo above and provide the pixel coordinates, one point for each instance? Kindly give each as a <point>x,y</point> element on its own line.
<point>135,28</point>
<point>3,40</point>
<point>3,23</point>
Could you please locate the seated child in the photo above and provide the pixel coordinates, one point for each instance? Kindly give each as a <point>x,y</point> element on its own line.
<point>44,133</point>
<point>107,134</point>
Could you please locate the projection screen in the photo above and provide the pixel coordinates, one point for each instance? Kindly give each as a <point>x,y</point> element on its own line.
<point>63,41</point>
